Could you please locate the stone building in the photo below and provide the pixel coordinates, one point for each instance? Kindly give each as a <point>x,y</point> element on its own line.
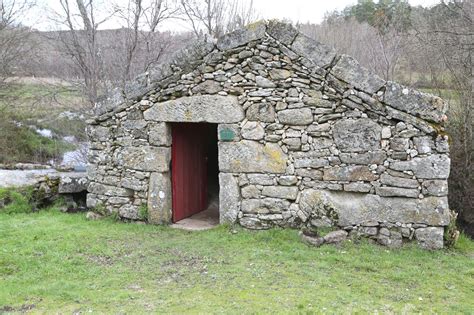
<point>286,131</point>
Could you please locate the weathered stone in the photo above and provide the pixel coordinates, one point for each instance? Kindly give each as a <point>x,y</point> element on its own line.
<point>320,143</point>
<point>264,112</point>
<point>250,191</point>
<point>283,32</point>
<point>386,133</point>
<point>397,192</point>
<point>353,208</point>
<point>435,188</point>
<point>430,237</point>
<point>335,237</point>
<point>207,87</point>
<point>301,116</point>
<point>398,181</point>
<point>321,55</point>
<point>159,198</point>
<point>311,162</point>
<point>319,128</point>
<point>423,144</point>
<point>350,71</point>
<point>251,157</point>
<point>349,173</point>
<point>98,133</point>
<point>435,166</point>
<point>375,157</point>
<point>314,174</point>
<point>287,180</point>
<point>252,130</point>
<point>264,82</point>
<point>414,102</point>
<point>312,240</point>
<point>93,216</point>
<point>283,192</point>
<point>118,200</point>
<point>129,212</point>
<point>107,190</point>
<point>399,144</point>
<point>253,223</point>
<point>280,74</point>
<point>145,158</point>
<point>415,121</point>
<point>357,135</point>
<point>92,201</point>
<point>292,143</point>
<point>390,238</point>
<point>260,179</point>
<point>265,206</point>
<point>229,197</point>
<point>199,108</point>
<point>358,187</point>
<point>160,134</point>
<point>72,183</point>
<point>241,37</point>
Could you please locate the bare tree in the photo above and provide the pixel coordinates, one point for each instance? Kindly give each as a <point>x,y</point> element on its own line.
<point>15,39</point>
<point>446,34</point>
<point>216,17</point>
<point>80,43</point>
<point>141,20</point>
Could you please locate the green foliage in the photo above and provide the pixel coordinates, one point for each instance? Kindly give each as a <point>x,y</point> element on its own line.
<point>383,15</point>
<point>15,201</point>
<point>143,212</point>
<point>100,209</point>
<point>63,263</point>
<point>451,232</point>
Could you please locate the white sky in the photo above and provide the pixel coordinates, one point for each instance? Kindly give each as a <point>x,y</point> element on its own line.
<point>294,10</point>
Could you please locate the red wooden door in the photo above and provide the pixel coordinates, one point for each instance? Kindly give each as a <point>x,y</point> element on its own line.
<point>189,169</point>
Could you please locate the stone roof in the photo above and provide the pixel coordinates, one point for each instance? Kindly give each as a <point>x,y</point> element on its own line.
<point>313,54</point>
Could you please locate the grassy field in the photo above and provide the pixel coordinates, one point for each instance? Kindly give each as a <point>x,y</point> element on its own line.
<point>28,105</point>
<point>61,263</point>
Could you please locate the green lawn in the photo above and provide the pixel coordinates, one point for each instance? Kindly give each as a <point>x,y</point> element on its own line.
<point>62,263</point>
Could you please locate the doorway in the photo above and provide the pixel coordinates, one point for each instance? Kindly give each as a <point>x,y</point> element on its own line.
<point>194,173</point>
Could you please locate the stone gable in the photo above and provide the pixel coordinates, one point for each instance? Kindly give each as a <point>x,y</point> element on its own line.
<point>307,137</point>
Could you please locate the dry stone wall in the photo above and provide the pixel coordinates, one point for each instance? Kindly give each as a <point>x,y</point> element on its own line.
<point>307,137</point>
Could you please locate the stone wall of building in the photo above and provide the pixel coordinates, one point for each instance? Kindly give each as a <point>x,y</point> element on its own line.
<point>307,137</point>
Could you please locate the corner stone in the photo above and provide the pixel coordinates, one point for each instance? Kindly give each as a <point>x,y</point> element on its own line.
<point>229,197</point>
<point>430,237</point>
<point>159,198</point>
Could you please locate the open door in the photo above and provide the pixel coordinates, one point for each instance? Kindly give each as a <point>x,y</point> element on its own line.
<point>189,168</point>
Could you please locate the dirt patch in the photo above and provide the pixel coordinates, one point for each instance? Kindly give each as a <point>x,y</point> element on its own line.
<point>22,309</point>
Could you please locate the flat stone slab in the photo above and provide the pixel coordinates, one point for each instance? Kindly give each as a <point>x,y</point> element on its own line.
<point>251,157</point>
<point>71,183</point>
<point>199,108</point>
<point>354,208</point>
<point>19,178</point>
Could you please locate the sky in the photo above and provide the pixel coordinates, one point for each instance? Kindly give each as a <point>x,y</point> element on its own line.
<point>295,10</point>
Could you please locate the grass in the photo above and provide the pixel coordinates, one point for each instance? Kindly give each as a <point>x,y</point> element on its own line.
<point>61,263</point>
<point>38,105</point>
